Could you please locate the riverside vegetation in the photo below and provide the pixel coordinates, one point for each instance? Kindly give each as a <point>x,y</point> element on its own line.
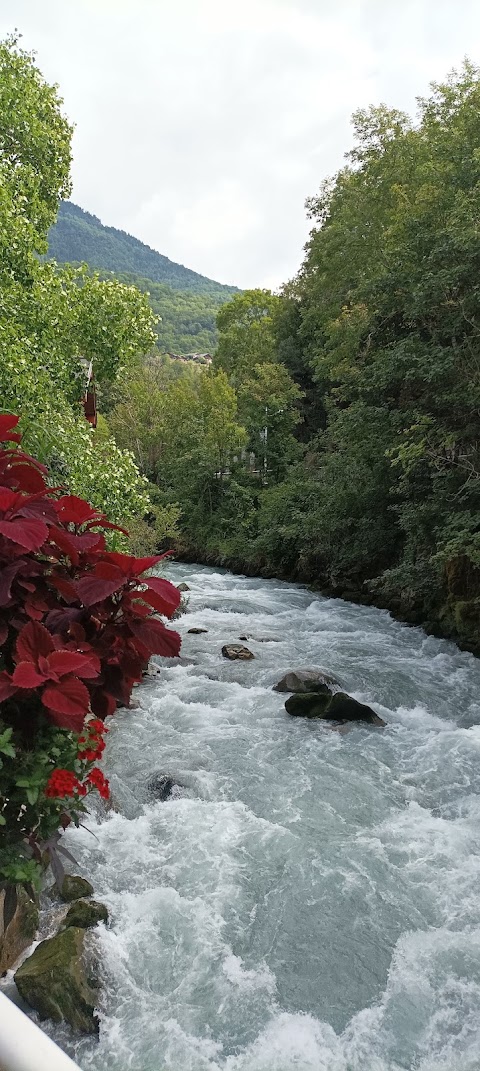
<point>336,438</point>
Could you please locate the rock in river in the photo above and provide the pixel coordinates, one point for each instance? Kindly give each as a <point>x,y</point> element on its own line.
<point>237,651</point>
<point>74,887</point>
<point>56,982</point>
<point>338,707</point>
<point>85,913</point>
<point>306,680</point>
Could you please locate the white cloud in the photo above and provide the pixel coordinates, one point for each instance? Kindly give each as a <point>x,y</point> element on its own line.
<point>201,126</point>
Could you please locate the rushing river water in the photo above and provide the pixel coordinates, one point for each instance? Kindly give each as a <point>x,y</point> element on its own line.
<point>307,901</point>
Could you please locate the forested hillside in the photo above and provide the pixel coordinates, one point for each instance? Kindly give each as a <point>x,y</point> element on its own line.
<point>186,321</point>
<point>338,439</point>
<point>78,236</point>
<point>185,303</point>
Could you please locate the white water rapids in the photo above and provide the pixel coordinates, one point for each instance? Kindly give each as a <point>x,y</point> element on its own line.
<point>308,901</point>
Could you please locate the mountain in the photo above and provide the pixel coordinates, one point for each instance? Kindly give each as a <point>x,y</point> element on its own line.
<point>79,236</point>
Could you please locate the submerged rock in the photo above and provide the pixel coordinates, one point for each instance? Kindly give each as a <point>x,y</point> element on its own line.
<point>339,707</point>
<point>161,786</point>
<point>306,680</point>
<point>196,631</point>
<point>55,981</point>
<point>85,913</point>
<point>183,586</point>
<point>18,922</point>
<point>235,651</point>
<point>74,887</point>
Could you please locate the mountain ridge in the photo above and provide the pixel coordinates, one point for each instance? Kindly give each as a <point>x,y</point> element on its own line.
<point>78,235</point>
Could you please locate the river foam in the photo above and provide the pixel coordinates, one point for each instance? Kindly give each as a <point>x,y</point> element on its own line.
<point>305,901</point>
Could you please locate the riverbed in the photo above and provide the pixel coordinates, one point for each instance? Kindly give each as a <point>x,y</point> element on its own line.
<point>305,900</point>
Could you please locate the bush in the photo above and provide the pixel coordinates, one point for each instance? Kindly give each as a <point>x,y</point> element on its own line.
<point>78,625</point>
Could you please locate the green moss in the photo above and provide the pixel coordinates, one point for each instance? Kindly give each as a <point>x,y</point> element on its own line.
<point>54,981</point>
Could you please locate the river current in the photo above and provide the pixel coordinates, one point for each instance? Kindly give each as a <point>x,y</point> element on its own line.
<point>305,900</point>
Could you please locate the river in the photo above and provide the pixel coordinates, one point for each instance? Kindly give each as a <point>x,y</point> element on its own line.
<point>306,901</point>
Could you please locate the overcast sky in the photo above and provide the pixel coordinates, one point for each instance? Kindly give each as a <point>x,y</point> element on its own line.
<point>202,125</point>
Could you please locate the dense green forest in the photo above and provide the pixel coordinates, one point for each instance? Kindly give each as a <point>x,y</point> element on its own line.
<point>186,321</point>
<point>336,439</point>
<point>79,237</point>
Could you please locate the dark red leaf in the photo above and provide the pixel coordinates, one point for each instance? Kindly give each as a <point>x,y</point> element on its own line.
<point>65,587</point>
<point>7,576</point>
<point>32,641</point>
<point>108,571</point>
<point>167,594</point>
<point>28,477</point>
<point>9,498</point>
<point>63,662</point>
<point>156,637</point>
<point>69,698</point>
<point>131,566</point>
<point>28,534</point>
<point>7,689</point>
<point>74,510</point>
<point>7,422</point>
<point>103,523</point>
<point>26,675</point>
<point>92,589</point>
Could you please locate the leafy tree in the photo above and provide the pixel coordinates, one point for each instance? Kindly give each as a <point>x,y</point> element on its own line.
<point>51,318</point>
<point>246,332</point>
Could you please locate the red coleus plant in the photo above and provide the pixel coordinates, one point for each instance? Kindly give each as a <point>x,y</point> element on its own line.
<point>77,623</point>
<point>77,626</point>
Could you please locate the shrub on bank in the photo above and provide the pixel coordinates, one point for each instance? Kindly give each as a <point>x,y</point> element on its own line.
<point>78,625</point>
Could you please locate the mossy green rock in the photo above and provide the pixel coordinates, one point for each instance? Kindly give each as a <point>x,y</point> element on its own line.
<point>18,922</point>
<point>86,913</point>
<point>55,982</point>
<point>74,887</point>
<point>338,707</point>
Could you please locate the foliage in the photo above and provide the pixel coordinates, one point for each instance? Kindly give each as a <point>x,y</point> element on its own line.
<point>186,320</point>
<point>50,318</point>
<point>368,360</point>
<point>246,328</point>
<point>77,626</point>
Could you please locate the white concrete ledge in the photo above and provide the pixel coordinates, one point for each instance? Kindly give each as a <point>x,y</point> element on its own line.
<point>24,1047</point>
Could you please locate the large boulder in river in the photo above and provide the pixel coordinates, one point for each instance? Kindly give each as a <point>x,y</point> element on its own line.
<point>56,982</point>
<point>338,707</point>
<point>235,651</point>
<point>306,680</point>
<point>85,913</point>
<point>183,586</point>
<point>74,887</point>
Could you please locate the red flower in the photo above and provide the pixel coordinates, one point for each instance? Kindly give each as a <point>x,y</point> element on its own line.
<point>64,783</point>
<point>99,781</point>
